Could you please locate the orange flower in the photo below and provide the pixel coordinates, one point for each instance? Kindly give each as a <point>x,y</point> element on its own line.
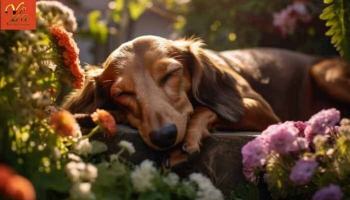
<point>64,123</point>
<point>70,53</point>
<point>13,186</point>
<point>5,174</point>
<point>105,120</point>
<point>19,188</point>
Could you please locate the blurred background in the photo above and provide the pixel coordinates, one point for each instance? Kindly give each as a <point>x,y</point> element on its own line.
<point>221,24</point>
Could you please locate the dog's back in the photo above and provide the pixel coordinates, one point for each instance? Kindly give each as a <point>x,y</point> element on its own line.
<point>284,79</point>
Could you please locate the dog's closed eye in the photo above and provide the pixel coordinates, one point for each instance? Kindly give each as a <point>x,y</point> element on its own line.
<point>123,94</point>
<point>171,77</point>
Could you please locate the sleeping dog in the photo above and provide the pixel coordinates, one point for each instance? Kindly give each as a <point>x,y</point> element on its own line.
<point>176,92</point>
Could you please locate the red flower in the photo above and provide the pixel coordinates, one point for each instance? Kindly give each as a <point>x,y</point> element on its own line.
<point>70,53</point>
<point>105,120</point>
<point>64,123</point>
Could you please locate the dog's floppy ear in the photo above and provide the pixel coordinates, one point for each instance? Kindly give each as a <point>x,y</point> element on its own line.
<point>87,99</point>
<point>211,86</point>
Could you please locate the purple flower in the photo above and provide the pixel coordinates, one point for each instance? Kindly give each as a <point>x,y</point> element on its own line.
<point>303,171</point>
<point>332,192</point>
<point>282,138</point>
<point>254,153</point>
<point>319,122</point>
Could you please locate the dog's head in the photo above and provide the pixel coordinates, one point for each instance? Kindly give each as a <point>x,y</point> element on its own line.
<point>156,84</point>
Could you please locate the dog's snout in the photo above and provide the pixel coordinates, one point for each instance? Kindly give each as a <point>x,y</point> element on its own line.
<point>165,136</point>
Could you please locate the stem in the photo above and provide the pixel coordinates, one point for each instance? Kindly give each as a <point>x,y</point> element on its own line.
<point>93,132</point>
<point>120,153</point>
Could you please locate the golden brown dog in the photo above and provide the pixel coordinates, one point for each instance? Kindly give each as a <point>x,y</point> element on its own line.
<point>175,91</point>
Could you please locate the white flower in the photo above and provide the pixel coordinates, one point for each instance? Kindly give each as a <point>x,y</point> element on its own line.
<point>171,179</point>
<point>72,171</point>
<point>74,157</point>
<point>81,191</point>
<point>79,171</point>
<point>89,173</point>
<point>143,176</point>
<point>206,190</point>
<point>82,147</point>
<point>127,146</point>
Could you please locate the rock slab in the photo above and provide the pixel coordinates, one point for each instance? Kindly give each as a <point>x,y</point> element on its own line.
<point>220,157</point>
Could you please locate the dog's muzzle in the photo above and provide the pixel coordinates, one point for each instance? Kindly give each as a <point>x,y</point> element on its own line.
<point>165,136</point>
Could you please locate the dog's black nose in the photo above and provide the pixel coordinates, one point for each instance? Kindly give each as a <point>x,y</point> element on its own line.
<point>165,136</point>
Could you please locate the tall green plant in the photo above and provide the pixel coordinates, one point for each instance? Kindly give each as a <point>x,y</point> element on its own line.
<point>337,17</point>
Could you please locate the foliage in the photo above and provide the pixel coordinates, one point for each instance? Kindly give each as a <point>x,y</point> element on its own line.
<point>123,12</point>
<point>118,10</point>
<point>302,160</point>
<point>227,25</point>
<point>245,192</point>
<point>42,145</point>
<point>337,17</point>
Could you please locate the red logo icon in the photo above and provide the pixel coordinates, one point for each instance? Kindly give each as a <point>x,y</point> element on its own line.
<point>18,14</point>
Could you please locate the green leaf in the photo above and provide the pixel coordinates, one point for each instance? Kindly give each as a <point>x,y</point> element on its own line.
<point>116,13</point>
<point>98,28</point>
<point>93,18</point>
<point>328,1</point>
<point>337,17</point>
<point>45,182</point>
<point>98,147</point>
<point>136,8</point>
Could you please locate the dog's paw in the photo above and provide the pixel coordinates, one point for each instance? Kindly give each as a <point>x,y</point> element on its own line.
<point>190,148</point>
<point>193,140</point>
<point>175,158</point>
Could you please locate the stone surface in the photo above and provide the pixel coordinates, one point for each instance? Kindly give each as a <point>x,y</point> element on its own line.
<point>220,157</point>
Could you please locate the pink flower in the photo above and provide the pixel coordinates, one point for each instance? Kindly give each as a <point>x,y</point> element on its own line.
<point>286,20</point>
<point>303,171</point>
<point>301,11</point>
<point>319,122</point>
<point>302,143</point>
<point>250,175</point>
<point>105,120</point>
<point>282,138</point>
<point>254,153</point>
<point>332,192</point>
<point>301,127</point>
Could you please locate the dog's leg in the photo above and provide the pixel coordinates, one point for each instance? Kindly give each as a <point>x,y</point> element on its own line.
<point>333,76</point>
<point>258,115</point>
<point>199,125</point>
